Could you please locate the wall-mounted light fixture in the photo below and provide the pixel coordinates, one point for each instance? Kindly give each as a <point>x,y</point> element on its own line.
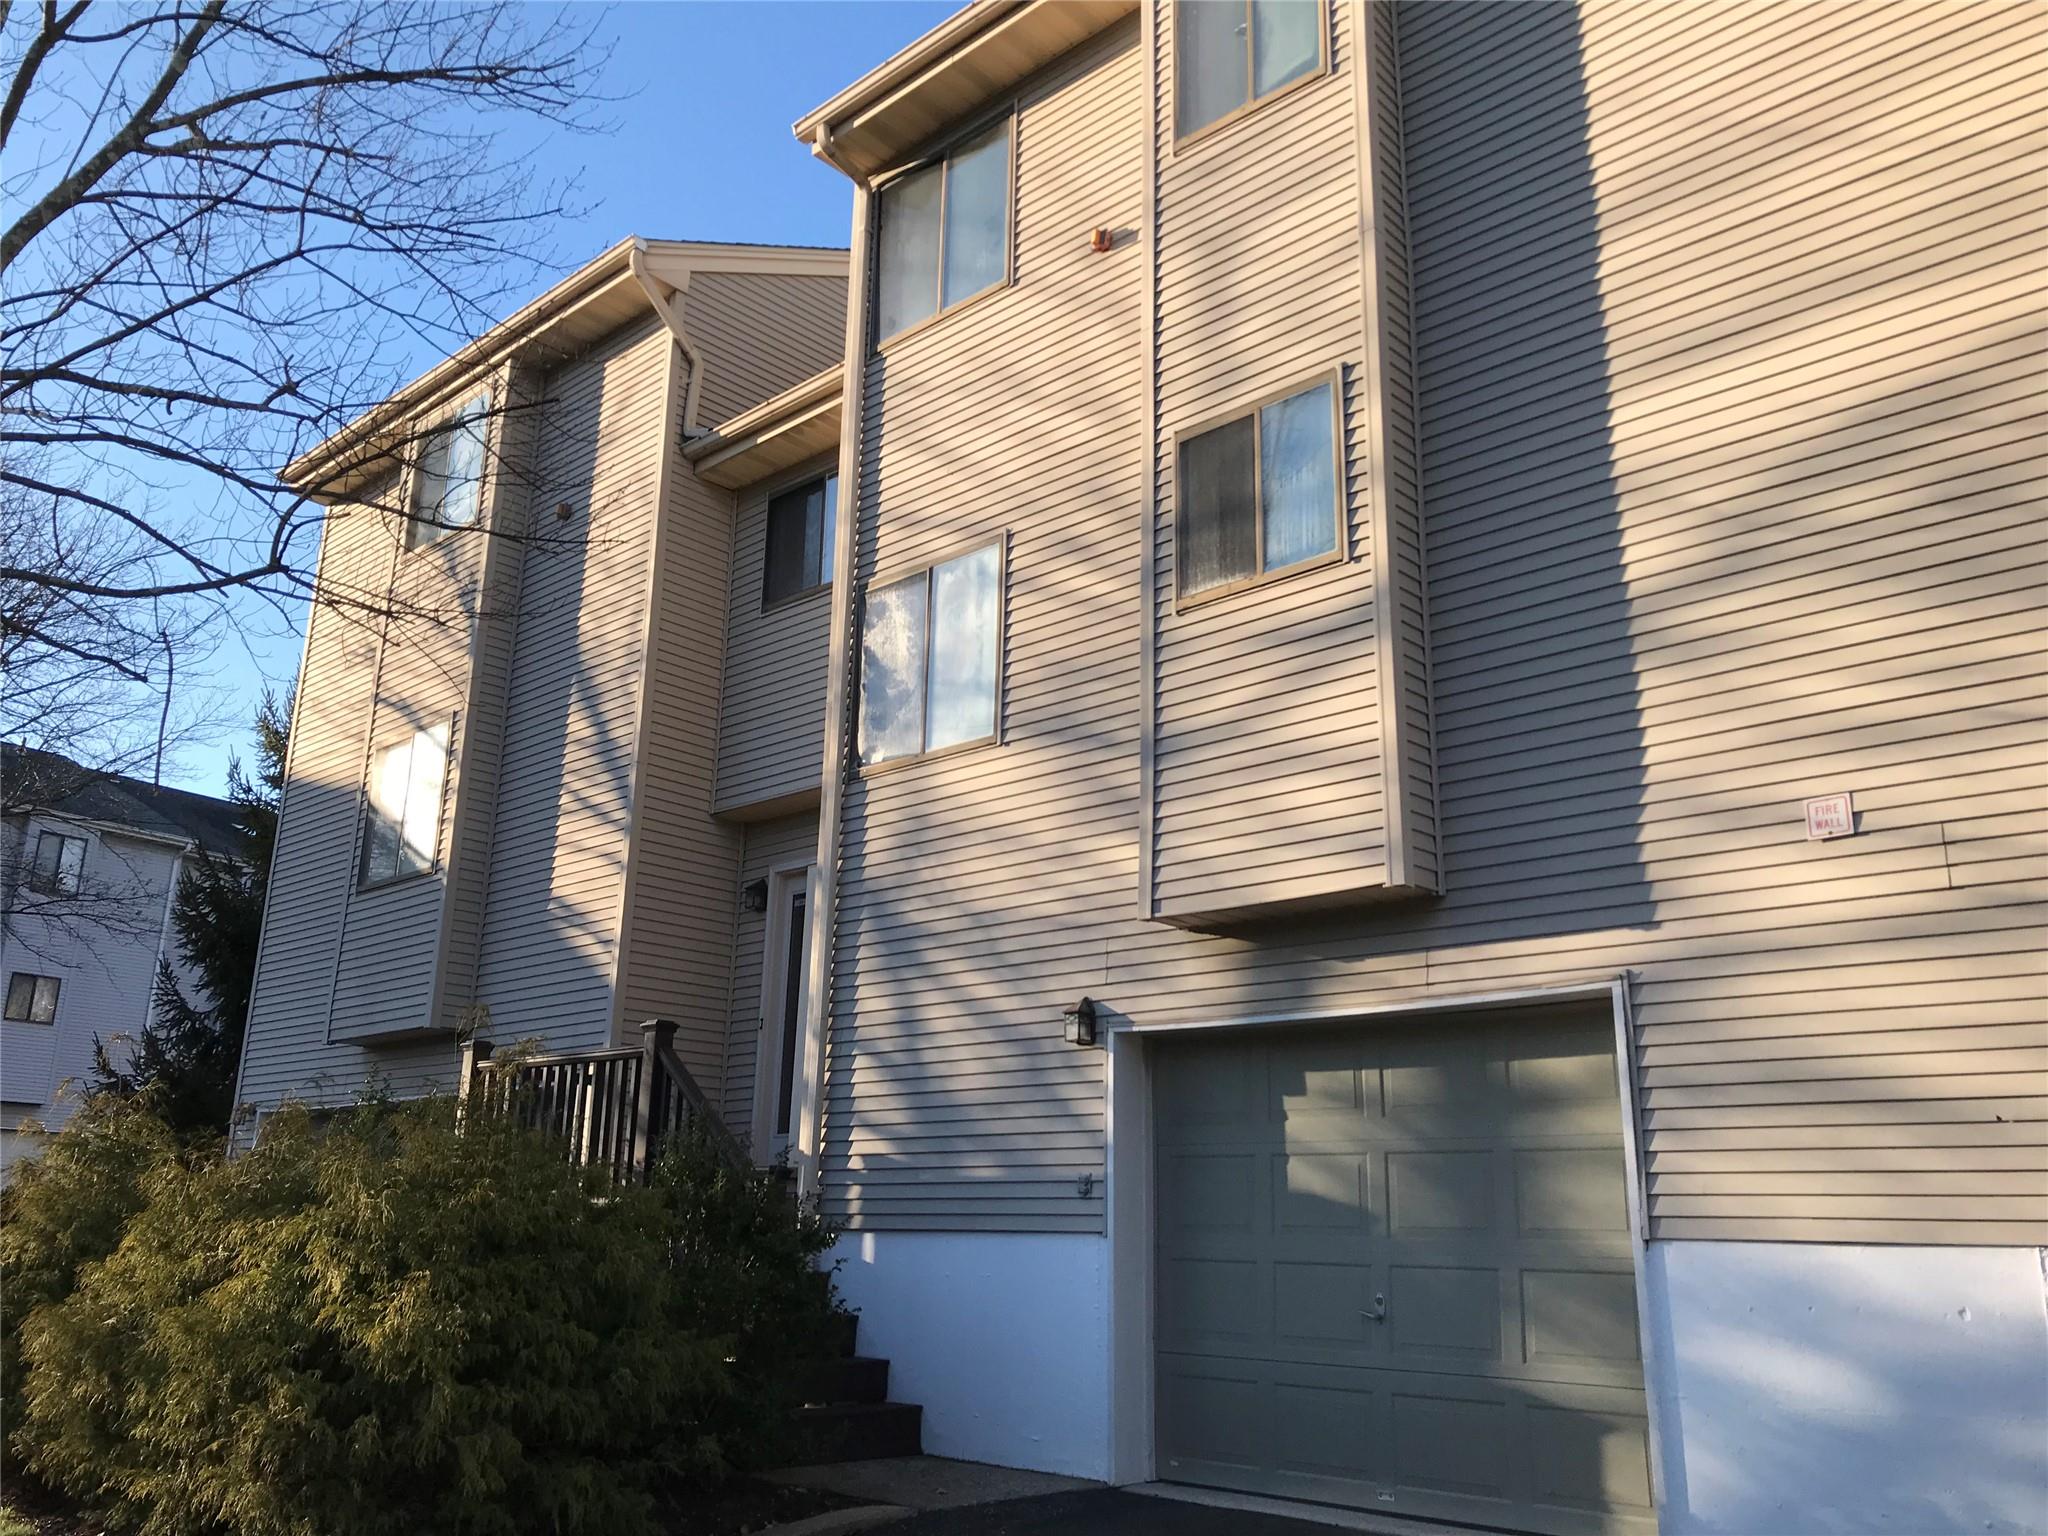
<point>754,896</point>
<point>1080,1019</point>
<point>1100,240</point>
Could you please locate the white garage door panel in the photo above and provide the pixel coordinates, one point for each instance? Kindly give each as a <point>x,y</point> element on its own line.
<point>1394,1271</point>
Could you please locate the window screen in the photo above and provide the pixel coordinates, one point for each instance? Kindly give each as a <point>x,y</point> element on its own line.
<point>402,810</point>
<point>1229,53</point>
<point>60,864</point>
<point>930,658</point>
<point>801,525</point>
<point>945,232</point>
<point>32,999</point>
<point>447,483</point>
<point>1259,493</point>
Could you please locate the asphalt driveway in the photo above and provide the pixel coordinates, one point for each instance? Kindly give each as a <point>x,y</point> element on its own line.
<point>1099,1512</point>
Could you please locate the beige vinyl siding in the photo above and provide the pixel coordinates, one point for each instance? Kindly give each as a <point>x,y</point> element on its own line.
<point>1728,341</point>
<point>771,729</point>
<point>759,333</point>
<point>1272,707</point>
<point>480,752</point>
<point>287,1051</point>
<point>950,1100</point>
<point>679,917</point>
<point>558,848</point>
<point>769,845</point>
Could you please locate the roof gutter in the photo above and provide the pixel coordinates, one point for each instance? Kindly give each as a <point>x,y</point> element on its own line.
<point>671,316</point>
<point>823,147</point>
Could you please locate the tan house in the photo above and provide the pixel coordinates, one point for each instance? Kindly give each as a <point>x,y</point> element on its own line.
<point>1372,811</point>
<point>508,810</point>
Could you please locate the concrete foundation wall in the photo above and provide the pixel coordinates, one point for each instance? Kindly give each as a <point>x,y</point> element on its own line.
<point>1807,1387</point>
<point>1003,1337</point>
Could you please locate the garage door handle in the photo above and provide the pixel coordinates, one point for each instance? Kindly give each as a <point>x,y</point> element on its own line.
<point>1378,1314</point>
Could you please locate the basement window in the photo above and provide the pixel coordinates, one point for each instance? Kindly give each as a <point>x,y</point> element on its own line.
<point>1257,494</point>
<point>930,650</point>
<point>402,811</point>
<point>944,232</point>
<point>32,999</point>
<point>447,483</point>
<point>801,532</point>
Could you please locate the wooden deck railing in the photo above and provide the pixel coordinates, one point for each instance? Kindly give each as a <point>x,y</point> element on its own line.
<point>611,1109</point>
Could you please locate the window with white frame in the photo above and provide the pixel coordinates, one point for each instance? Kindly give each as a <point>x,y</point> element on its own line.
<point>447,483</point>
<point>929,657</point>
<point>1258,493</point>
<point>402,807</point>
<point>1231,53</point>
<point>59,865</point>
<point>801,531</point>
<point>32,999</point>
<point>944,232</point>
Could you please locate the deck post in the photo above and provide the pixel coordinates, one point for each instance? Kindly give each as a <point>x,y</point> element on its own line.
<point>475,1053</point>
<point>656,1035</point>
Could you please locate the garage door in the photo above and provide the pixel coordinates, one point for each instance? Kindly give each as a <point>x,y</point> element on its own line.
<point>1394,1271</point>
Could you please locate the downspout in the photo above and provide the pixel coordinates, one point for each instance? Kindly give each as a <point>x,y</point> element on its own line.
<point>670,316</point>
<point>807,1112</point>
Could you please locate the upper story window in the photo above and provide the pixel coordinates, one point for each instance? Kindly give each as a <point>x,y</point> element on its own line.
<point>402,811</point>
<point>1231,53</point>
<point>447,485</point>
<point>945,232</point>
<point>59,866</point>
<point>32,999</point>
<point>929,647</point>
<point>1259,493</point>
<point>802,524</point>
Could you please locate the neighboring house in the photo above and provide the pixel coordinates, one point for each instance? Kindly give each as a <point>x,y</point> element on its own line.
<point>509,804</point>
<point>88,868</point>
<point>1380,836</point>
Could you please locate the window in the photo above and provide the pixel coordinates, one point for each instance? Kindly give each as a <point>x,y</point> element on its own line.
<point>402,813</point>
<point>800,539</point>
<point>32,999</point>
<point>59,865</point>
<point>447,484</point>
<point>1230,53</point>
<point>928,658</point>
<point>1259,493</point>
<point>945,232</point>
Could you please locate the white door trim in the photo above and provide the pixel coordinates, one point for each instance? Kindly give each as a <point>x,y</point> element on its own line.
<point>784,881</point>
<point>1128,1200</point>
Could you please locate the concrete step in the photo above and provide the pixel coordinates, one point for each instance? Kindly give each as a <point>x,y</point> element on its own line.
<point>847,1379</point>
<point>842,1333</point>
<point>858,1432</point>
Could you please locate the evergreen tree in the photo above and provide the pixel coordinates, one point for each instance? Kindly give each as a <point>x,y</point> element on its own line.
<point>183,1065</point>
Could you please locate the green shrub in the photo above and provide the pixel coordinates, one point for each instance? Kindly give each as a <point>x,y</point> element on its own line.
<point>387,1327</point>
<point>66,1208</point>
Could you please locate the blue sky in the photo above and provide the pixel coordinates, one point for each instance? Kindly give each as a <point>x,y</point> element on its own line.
<point>701,150</point>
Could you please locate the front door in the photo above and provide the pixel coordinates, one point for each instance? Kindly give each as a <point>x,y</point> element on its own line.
<point>1394,1271</point>
<point>783,1012</point>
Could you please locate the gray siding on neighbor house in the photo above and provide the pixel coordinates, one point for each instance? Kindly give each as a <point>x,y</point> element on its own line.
<point>977,890</point>
<point>559,845</point>
<point>771,729</point>
<point>759,333</point>
<point>104,955</point>
<point>1728,342</point>
<point>770,845</point>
